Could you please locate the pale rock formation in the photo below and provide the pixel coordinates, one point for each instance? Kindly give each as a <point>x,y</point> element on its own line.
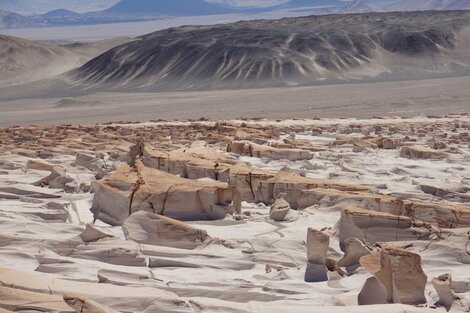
<point>83,305</point>
<point>355,249</point>
<point>91,234</point>
<point>373,292</point>
<point>447,297</point>
<point>372,227</point>
<point>153,229</point>
<point>19,300</point>
<point>58,178</point>
<point>279,210</point>
<point>438,214</point>
<point>414,152</point>
<point>192,164</point>
<point>400,272</point>
<point>317,248</point>
<point>139,188</point>
<point>89,162</point>
<point>269,152</point>
<point>294,186</point>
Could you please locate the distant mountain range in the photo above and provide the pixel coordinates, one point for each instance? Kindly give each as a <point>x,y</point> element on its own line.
<point>111,11</point>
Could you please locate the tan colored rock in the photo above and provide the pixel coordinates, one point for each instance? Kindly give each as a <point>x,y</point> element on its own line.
<point>279,210</point>
<point>414,152</point>
<point>294,186</point>
<point>355,249</point>
<point>19,300</point>
<point>438,214</point>
<point>269,152</point>
<point>140,188</point>
<point>58,178</point>
<point>447,297</point>
<point>83,305</point>
<point>317,247</point>
<point>91,234</point>
<point>153,229</point>
<point>388,143</point>
<point>372,227</point>
<point>400,272</point>
<point>88,162</point>
<point>373,292</point>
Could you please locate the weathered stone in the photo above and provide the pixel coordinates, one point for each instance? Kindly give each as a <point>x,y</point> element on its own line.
<point>447,297</point>
<point>355,249</point>
<point>272,153</point>
<point>414,152</point>
<point>317,248</point>
<point>140,188</point>
<point>400,272</point>
<point>153,229</point>
<point>372,227</point>
<point>58,178</point>
<point>83,305</point>
<point>373,292</point>
<point>279,210</point>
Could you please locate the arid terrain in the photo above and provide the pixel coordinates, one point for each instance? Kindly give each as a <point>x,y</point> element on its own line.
<point>308,164</point>
<point>237,216</point>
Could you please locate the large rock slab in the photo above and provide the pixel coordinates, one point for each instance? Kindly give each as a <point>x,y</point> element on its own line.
<point>372,227</point>
<point>132,189</point>
<point>268,152</point>
<point>294,186</point>
<point>400,273</point>
<point>438,214</point>
<point>153,229</point>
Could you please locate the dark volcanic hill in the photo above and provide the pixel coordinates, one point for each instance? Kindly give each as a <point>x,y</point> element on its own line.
<point>289,51</point>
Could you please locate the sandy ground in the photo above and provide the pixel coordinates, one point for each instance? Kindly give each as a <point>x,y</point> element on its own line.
<point>407,98</point>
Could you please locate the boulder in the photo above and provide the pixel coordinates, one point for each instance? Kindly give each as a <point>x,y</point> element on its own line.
<point>317,248</point>
<point>355,249</point>
<point>373,292</point>
<point>400,273</point>
<point>442,284</point>
<point>153,229</point>
<point>279,210</point>
<point>132,189</point>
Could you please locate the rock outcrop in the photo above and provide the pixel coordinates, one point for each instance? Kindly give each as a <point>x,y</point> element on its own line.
<point>279,210</point>
<point>355,249</point>
<point>153,229</point>
<point>58,178</point>
<point>132,189</point>
<point>84,305</point>
<point>400,273</point>
<point>317,247</point>
<point>372,227</point>
<point>447,297</point>
<point>414,152</point>
<point>264,151</point>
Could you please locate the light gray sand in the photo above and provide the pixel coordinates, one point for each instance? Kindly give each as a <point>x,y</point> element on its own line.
<point>407,98</point>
